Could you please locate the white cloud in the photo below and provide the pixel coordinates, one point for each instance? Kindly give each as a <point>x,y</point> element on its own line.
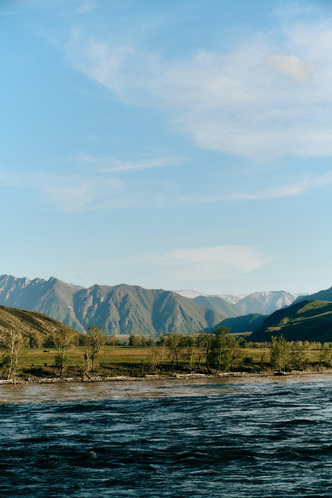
<point>206,263</point>
<point>238,102</point>
<point>292,66</point>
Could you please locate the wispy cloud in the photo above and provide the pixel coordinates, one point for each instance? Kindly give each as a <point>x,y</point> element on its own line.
<point>99,191</point>
<point>107,164</point>
<point>71,193</point>
<point>86,6</point>
<point>304,186</point>
<point>78,193</point>
<point>206,263</point>
<point>261,99</point>
<point>299,187</point>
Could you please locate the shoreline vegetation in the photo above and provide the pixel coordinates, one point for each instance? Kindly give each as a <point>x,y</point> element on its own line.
<point>156,377</point>
<point>92,357</point>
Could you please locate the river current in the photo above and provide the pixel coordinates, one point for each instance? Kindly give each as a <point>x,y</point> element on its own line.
<point>176,438</point>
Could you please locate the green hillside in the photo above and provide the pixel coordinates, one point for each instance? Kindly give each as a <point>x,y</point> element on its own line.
<point>323,295</point>
<point>307,320</point>
<point>245,323</point>
<point>36,326</point>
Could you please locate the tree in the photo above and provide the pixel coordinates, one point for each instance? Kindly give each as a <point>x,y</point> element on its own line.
<point>263,354</point>
<point>64,341</point>
<point>280,353</point>
<point>203,345</point>
<point>14,344</point>
<point>223,350</point>
<point>326,354</point>
<point>36,339</point>
<point>94,341</point>
<point>133,340</point>
<point>157,356</point>
<point>298,355</point>
<point>175,343</point>
<point>112,340</point>
<point>142,341</point>
<point>190,349</point>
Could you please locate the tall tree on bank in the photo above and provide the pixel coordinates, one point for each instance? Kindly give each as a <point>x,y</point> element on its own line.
<point>280,353</point>
<point>64,341</point>
<point>14,345</point>
<point>223,350</point>
<point>203,346</point>
<point>94,341</point>
<point>175,343</point>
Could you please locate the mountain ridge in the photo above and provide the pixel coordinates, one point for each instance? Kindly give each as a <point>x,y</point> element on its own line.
<point>121,309</point>
<point>323,295</point>
<point>263,303</point>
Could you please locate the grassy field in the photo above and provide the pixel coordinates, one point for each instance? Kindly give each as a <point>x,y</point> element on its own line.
<point>113,360</point>
<point>138,361</point>
<point>110,355</point>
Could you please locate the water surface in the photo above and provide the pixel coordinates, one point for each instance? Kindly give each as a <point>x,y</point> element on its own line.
<point>228,438</point>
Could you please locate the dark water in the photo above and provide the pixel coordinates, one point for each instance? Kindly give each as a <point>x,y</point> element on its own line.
<point>228,438</point>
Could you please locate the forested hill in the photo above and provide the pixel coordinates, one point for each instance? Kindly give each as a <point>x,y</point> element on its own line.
<point>122,309</point>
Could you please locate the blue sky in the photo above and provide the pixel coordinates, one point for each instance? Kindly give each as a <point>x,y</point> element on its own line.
<point>170,144</point>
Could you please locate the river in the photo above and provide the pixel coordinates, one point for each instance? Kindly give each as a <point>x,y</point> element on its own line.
<point>230,437</point>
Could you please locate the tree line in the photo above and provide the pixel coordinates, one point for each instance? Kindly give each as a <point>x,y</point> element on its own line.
<point>215,352</point>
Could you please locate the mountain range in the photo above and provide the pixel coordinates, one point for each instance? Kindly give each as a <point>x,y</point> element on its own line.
<point>126,309</point>
<point>122,309</point>
<point>263,303</point>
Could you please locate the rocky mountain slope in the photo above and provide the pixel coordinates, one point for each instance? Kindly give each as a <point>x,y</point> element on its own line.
<point>122,309</point>
<point>306,320</point>
<point>264,303</point>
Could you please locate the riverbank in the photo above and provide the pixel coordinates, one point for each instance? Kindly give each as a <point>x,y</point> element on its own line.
<point>151,377</point>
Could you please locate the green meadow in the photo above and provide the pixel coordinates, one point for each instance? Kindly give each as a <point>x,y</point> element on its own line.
<point>115,361</point>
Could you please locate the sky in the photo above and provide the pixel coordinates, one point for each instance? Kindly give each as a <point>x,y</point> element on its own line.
<point>179,144</point>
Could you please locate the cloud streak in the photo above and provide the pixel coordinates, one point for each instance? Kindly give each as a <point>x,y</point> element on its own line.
<point>99,191</point>
<point>106,164</point>
<point>206,263</point>
<point>300,187</point>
